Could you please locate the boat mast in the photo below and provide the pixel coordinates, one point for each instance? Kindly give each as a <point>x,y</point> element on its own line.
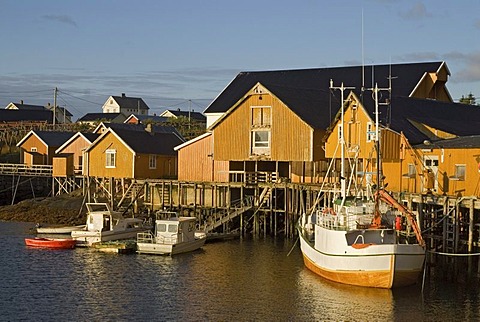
<point>342,139</point>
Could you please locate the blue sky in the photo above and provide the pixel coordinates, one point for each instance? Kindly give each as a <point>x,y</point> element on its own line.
<point>182,53</point>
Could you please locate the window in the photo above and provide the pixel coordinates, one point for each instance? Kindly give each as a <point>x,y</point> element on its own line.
<point>261,139</point>
<point>261,116</point>
<point>152,161</point>
<point>370,132</point>
<point>459,172</point>
<point>431,163</point>
<point>110,156</point>
<point>33,149</point>
<point>412,171</point>
<point>340,130</point>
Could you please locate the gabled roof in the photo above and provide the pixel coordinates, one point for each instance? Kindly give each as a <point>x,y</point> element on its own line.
<point>22,106</point>
<point>48,138</point>
<point>26,115</point>
<point>463,142</point>
<point>455,118</point>
<point>91,117</point>
<point>130,102</point>
<point>194,115</point>
<point>144,142</point>
<point>408,115</point>
<point>142,118</point>
<point>307,93</point>
<point>189,142</point>
<point>140,127</point>
<point>88,137</point>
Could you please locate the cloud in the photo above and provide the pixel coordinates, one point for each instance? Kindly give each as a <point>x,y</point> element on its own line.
<point>417,12</point>
<point>470,66</point>
<point>61,18</point>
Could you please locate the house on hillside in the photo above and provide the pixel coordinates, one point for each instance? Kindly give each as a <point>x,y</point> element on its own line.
<point>196,116</point>
<point>270,125</point>
<point>144,119</point>
<point>38,147</point>
<point>26,116</point>
<point>62,114</point>
<point>73,148</point>
<point>94,119</point>
<point>125,105</point>
<point>425,145</point>
<point>123,153</point>
<point>23,107</point>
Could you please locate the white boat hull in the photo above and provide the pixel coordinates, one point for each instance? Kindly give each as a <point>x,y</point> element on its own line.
<point>170,249</point>
<point>59,230</point>
<point>88,238</point>
<point>373,264</point>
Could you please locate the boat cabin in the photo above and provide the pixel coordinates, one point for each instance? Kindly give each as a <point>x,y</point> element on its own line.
<point>175,230</point>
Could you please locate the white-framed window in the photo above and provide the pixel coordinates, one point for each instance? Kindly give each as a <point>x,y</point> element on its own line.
<point>460,171</point>
<point>261,139</point>
<point>370,132</point>
<point>33,149</point>
<point>152,161</point>
<point>110,158</point>
<point>340,126</point>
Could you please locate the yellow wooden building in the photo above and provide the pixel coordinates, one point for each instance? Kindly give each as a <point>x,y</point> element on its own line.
<point>121,153</point>
<point>426,146</point>
<point>270,125</point>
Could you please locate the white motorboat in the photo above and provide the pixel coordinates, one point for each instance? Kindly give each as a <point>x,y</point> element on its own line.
<point>172,235</point>
<point>61,230</point>
<point>103,225</point>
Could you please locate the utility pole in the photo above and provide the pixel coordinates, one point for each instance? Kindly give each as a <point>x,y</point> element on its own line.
<point>54,104</point>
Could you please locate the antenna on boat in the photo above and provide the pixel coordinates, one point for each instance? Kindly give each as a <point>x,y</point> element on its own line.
<point>342,88</point>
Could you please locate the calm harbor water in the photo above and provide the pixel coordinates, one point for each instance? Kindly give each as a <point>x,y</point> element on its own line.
<point>246,280</point>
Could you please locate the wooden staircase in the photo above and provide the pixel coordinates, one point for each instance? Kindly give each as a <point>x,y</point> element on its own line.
<point>220,218</point>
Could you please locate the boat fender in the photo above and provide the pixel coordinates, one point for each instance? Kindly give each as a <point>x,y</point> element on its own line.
<point>329,211</point>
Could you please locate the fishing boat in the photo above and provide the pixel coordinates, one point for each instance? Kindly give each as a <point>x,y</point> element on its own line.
<point>171,235</point>
<point>358,240</point>
<point>59,243</point>
<point>103,225</point>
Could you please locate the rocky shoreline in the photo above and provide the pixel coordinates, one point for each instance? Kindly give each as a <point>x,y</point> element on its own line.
<point>61,210</point>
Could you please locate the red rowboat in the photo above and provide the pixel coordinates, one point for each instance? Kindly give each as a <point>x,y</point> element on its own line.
<point>50,242</point>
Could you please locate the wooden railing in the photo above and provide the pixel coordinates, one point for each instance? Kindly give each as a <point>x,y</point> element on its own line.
<point>253,177</point>
<point>26,170</point>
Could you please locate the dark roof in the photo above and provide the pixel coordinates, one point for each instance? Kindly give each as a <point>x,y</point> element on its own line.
<point>141,128</point>
<point>90,117</point>
<point>60,110</point>
<point>25,115</point>
<point>130,102</point>
<point>194,115</point>
<point>22,106</point>
<point>152,118</point>
<point>144,142</point>
<point>455,118</point>
<point>54,138</point>
<point>90,136</point>
<point>463,142</point>
<point>307,93</point>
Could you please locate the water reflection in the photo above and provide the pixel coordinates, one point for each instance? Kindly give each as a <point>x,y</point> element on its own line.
<point>248,279</point>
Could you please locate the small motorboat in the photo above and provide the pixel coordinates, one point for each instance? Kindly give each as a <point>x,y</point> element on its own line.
<point>59,243</point>
<point>61,230</point>
<point>172,235</point>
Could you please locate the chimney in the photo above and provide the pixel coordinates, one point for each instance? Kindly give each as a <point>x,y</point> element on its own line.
<point>21,102</point>
<point>123,95</point>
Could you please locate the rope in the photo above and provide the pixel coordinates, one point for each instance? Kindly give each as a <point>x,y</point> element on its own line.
<point>293,246</point>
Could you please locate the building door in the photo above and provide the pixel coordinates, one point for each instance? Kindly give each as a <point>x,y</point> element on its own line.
<point>430,164</point>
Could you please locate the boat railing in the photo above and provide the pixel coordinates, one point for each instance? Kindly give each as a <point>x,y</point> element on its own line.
<point>145,237</point>
<point>168,240</point>
<point>349,220</point>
